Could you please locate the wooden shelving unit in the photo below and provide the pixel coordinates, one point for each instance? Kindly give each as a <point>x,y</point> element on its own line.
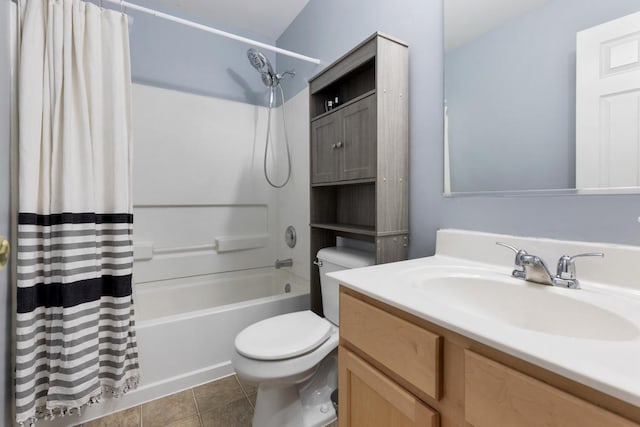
<point>359,152</point>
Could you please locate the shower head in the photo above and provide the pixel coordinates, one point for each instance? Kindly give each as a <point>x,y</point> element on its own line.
<point>257,59</point>
<point>260,62</point>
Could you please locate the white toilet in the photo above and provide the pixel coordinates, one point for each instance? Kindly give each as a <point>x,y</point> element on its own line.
<point>293,357</point>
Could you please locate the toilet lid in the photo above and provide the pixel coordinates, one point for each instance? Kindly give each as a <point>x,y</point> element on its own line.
<point>284,336</point>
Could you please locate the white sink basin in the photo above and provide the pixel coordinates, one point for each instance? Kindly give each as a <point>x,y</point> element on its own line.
<point>523,305</point>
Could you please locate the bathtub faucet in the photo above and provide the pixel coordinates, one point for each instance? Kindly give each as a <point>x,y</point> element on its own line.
<point>284,263</point>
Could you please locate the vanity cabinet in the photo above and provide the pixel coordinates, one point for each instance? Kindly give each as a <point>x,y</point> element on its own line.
<point>358,156</point>
<point>408,371</point>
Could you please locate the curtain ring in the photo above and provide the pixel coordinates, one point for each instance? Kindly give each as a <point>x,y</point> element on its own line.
<point>122,8</point>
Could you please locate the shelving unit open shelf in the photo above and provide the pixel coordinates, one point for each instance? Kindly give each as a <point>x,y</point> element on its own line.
<point>347,228</point>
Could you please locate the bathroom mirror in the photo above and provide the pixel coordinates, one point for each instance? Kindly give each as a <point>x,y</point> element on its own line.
<point>542,95</point>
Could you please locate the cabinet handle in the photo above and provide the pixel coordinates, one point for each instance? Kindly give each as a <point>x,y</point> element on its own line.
<point>333,146</point>
<point>339,144</point>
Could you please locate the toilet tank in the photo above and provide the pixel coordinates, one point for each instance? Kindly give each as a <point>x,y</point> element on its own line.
<point>335,259</point>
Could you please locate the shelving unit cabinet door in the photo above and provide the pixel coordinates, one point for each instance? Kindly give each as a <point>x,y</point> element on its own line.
<point>324,137</point>
<point>369,399</point>
<point>357,150</point>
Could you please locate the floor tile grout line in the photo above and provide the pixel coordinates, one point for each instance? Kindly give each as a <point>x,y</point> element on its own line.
<point>244,392</point>
<point>195,400</point>
<point>249,401</point>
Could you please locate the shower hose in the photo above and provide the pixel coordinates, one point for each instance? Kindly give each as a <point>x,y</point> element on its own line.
<point>272,98</point>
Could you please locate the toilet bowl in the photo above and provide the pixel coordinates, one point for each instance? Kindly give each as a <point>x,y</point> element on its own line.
<point>293,357</point>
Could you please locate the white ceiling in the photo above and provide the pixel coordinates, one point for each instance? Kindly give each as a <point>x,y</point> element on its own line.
<point>467,19</point>
<point>264,18</point>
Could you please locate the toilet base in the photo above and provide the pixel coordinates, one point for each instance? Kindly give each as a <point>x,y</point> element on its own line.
<point>306,404</point>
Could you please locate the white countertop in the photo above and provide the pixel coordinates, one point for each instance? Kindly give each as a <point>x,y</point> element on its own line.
<point>609,363</point>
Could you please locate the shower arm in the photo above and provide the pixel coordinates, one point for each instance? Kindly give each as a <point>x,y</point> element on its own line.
<point>289,73</point>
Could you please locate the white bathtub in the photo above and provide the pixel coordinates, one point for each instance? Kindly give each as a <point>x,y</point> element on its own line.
<point>186,328</point>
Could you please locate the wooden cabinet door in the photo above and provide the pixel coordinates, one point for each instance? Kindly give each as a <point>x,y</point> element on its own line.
<point>357,147</point>
<point>370,399</point>
<point>498,395</point>
<point>324,138</point>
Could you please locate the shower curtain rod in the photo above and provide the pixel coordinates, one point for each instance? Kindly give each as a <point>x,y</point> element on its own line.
<point>127,5</point>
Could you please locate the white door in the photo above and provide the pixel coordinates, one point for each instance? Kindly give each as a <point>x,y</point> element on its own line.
<point>6,391</point>
<point>608,104</point>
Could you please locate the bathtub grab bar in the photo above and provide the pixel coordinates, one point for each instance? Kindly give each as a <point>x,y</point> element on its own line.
<point>178,249</point>
<point>240,243</point>
<point>144,251</point>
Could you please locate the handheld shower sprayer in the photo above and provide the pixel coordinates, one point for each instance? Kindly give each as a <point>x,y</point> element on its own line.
<point>260,62</point>
<point>271,79</point>
<point>257,59</point>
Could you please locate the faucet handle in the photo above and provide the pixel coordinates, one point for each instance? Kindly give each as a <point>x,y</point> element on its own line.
<point>513,248</point>
<point>518,261</point>
<point>519,252</point>
<point>567,266</point>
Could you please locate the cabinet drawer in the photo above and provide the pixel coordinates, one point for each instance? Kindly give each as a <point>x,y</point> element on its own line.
<point>370,399</point>
<point>407,350</point>
<point>498,395</point>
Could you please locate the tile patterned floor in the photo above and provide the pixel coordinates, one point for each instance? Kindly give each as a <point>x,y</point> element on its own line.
<point>223,403</point>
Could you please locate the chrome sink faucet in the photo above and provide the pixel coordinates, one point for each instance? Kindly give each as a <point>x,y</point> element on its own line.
<point>534,269</point>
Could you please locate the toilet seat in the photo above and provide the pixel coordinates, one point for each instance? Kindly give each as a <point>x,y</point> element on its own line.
<point>283,337</point>
<point>285,371</point>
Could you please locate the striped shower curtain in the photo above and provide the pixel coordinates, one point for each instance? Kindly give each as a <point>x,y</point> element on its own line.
<point>75,332</point>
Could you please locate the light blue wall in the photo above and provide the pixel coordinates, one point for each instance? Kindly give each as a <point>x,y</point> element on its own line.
<point>511,98</point>
<point>5,137</point>
<point>328,28</point>
<point>170,55</point>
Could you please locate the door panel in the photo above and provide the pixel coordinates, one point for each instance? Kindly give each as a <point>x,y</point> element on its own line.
<point>608,104</point>
<point>358,150</point>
